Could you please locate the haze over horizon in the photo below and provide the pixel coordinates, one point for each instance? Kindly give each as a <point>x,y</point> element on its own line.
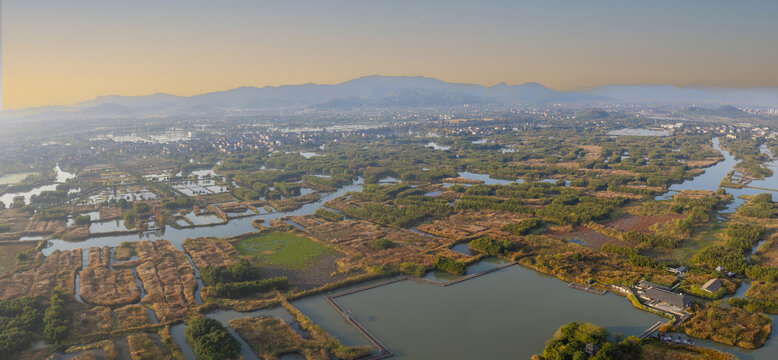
<point>68,52</point>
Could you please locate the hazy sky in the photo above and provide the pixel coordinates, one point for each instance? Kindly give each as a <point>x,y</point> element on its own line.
<point>65,51</point>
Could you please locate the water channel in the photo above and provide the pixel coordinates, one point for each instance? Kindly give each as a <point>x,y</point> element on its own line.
<point>61,177</point>
<point>507,314</point>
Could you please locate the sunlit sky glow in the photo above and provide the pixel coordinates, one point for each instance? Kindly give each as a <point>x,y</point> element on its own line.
<point>63,52</point>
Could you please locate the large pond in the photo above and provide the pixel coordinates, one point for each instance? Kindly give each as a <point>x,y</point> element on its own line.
<point>508,314</point>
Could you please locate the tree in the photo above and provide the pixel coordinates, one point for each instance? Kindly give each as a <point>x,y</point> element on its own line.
<point>210,340</point>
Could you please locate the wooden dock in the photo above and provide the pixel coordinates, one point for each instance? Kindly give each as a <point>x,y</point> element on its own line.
<point>383,351</point>
<point>650,330</point>
<point>588,289</point>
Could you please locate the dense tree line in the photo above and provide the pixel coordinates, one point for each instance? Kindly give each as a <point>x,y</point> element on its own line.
<point>634,258</point>
<point>287,189</point>
<point>477,202</point>
<point>210,340</point>
<point>408,208</point>
<point>654,241</point>
<point>488,245</point>
<point>752,306</point>
<point>760,206</point>
<point>52,214</point>
<point>743,236</point>
<point>56,318</point>
<point>522,227</point>
<point>382,244</point>
<point>448,265</point>
<point>571,340</point>
<point>579,210</point>
<point>238,271</point>
<point>20,319</point>
<point>81,220</point>
<point>329,214</point>
<point>243,289</point>
<point>180,202</point>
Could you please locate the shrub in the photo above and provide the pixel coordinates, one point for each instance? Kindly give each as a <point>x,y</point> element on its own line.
<point>490,246</point>
<point>328,215</point>
<point>141,208</point>
<point>743,236</point>
<point>21,317</point>
<point>236,272</point>
<point>448,265</point>
<point>210,340</point>
<point>522,227</point>
<point>412,269</point>
<point>239,290</point>
<point>56,318</point>
<point>81,220</point>
<point>382,244</point>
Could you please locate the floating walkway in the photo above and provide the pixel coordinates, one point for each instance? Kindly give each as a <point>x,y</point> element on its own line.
<point>588,289</point>
<point>383,351</point>
<point>650,330</point>
<point>464,278</point>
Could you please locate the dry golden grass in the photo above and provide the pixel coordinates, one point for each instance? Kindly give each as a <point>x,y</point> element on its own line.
<point>355,238</point>
<point>762,290</point>
<point>168,278</point>
<point>93,320</point>
<point>58,269</point>
<point>101,286</point>
<point>732,326</point>
<point>131,316</point>
<point>270,337</point>
<point>144,347</point>
<point>469,223</point>
<point>9,251</point>
<point>211,252</point>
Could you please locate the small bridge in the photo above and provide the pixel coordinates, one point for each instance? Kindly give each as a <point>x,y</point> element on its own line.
<point>650,330</point>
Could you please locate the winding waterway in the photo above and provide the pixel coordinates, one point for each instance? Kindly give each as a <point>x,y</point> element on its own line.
<point>507,314</point>
<point>61,177</point>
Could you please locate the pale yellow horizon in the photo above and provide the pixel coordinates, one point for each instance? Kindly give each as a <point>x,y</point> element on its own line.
<point>63,53</point>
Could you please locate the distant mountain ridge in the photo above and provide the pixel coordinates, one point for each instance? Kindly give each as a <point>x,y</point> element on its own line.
<point>387,92</point>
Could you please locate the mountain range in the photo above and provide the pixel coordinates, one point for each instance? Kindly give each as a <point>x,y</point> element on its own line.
<point>387,92</point>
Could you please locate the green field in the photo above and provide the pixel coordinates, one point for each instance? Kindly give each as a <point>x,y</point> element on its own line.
<point>282,249</point>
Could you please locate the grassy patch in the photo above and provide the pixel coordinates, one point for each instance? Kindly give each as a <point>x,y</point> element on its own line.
<point>9,253</point>
<point>282,249</point>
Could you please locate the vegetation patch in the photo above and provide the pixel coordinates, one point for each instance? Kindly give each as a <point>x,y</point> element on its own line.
<point>282,249</point>
<point>210,340</point>
<point>131,316</point>
<point>588,341</point>
<point>732,326</point>
<point>448,265</point>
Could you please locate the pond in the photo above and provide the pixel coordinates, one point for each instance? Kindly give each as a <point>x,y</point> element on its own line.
<point>435,146</point>
<point>509,313</point>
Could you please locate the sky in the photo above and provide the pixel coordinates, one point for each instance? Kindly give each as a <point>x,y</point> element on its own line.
<point>64,52</point>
